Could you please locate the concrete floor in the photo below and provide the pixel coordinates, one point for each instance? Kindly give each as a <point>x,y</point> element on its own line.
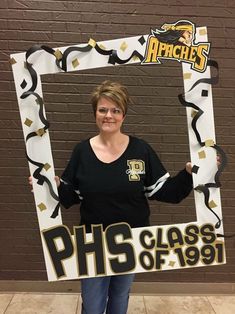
<point>65,303</point>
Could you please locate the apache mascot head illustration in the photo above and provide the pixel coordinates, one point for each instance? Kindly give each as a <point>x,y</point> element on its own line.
<point>182,32</point>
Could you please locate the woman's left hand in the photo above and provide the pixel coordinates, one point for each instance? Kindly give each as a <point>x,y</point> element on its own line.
<point>189,166</point>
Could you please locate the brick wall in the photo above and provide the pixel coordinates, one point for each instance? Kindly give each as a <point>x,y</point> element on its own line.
<point>156,116</point>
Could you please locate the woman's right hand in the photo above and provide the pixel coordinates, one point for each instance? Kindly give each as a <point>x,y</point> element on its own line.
<point>57,180</point>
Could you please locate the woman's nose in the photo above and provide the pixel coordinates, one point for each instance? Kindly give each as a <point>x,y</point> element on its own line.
<point>108,114</point>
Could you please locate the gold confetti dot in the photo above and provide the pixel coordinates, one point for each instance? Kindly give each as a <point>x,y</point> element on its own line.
<point>28,122</point>
<point>212,204</point>
<point>171,263</point>
<point>199,190</point>
<point>193,113</point>
<point>202,154</point>
<point>135,58</point>
<point>12,61</point>
<point>123,46</point>
<point>75,63</point>
<point>203,31</point>
<point>40,132</point>
<point>209,143</point>
<point>58,54</point>
<point>42,206</point>
<point>47,166</point>
<point>187,76</point>
<point>92,42</point>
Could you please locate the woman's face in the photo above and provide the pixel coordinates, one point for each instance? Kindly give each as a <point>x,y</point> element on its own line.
<point>109,116</point>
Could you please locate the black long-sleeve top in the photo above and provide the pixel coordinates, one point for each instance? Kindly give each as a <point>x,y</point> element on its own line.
<point>119,191</point>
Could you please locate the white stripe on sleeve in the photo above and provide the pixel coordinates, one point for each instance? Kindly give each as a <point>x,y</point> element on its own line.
<point>152,189</point>
<point>76,191</point>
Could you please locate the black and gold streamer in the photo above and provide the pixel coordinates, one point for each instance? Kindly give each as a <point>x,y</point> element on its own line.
<point>31,92</point>
<point>61,62</point>
<point>204,188</point>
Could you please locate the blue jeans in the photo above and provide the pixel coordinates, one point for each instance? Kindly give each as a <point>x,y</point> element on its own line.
<point>110,293</point>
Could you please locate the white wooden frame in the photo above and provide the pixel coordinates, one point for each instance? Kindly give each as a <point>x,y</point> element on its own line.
<point>39,148</point>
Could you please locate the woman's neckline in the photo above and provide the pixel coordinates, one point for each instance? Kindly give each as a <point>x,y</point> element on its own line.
<point>115,160</point>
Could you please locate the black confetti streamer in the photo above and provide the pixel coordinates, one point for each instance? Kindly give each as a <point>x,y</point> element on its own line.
<point>61,62</point>
<point>204,188</point>
<point>37,173</point>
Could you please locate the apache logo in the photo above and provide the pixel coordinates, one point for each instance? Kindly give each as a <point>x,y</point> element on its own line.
<point>176,41</point>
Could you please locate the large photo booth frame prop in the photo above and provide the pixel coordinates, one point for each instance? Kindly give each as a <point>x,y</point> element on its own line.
<point>120,249</point>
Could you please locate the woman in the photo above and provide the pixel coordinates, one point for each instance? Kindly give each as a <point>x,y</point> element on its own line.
<point>112,176</point>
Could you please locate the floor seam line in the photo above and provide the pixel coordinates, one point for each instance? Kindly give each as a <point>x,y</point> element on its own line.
<point>9,303</point>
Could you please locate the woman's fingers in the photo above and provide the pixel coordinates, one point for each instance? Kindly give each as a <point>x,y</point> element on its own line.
<point>189,167</point>
<point>30,180</point>
<point>57,180</point>
<point>218,159</point>
<point>189,164</point>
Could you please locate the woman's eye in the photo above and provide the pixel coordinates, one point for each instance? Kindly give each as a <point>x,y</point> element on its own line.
<point>102,110</point>
<point>117,111</point>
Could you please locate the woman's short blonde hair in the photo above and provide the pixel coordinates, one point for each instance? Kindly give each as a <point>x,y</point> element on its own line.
<point>114,91</point>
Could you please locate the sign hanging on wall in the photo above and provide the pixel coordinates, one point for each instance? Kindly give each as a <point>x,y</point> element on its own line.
<point>177,42</point>
<point>120,249</point>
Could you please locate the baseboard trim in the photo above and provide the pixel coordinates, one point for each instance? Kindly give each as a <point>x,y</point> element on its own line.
<point>144,288</point>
